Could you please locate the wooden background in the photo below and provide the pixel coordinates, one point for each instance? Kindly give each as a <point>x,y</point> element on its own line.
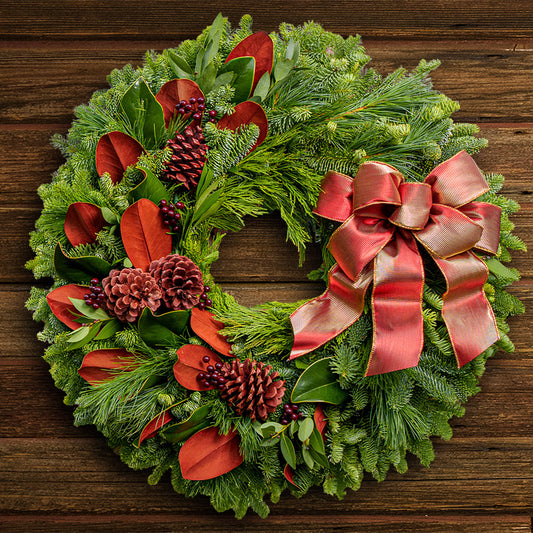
<point>55,477</point>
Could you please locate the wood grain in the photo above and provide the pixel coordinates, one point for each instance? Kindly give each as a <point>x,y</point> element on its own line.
<point>33,19</point>
<point>56,477</point>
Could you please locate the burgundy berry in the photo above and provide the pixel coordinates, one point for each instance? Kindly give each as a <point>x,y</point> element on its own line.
<point>188,108</point>
<point>284,421</point>
<point>96,306</point>
<point>201,100</point>
<point>182,111</point>
<point>210,368</point>
<point>207,384</point>
<point>179,205</point>
<point>294,416</point>
<point>218,366</point>
<point>197,116</point>
<point>201,107</point>
<point>192,100</point>
<point>203,296</point>
<point>222,379</point>
<point>207,288</point>
<point>175,227</point>
<point>212,113</point>
<point>288,412</point>
<point>201,376</point>
<point>212,120</point>
<point>94,281</point>
<point>201,305</point>
<point>220,386</point>
<point>209,302</point>
<point>183,103</point>
<point>214,381</point>
<point>86,296</point>
<point>89,302</point>
<point>177,216</point>
<point>206,359</point>
<point>295,407</point>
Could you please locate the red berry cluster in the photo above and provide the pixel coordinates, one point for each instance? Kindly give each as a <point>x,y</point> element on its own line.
<point>96,297</point>
<point>196,106</point>
<point>170,214</point>
<point>290,412</point>
<point>212,376</point>
<point>205,301</point>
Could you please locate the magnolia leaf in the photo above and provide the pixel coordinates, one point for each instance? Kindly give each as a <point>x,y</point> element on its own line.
<point>101,365</point>
<point>88,311</point>
<point>318,384</point>
<point>246,113</point>
<point>144,236</point>
<point>316,442</point>
<point>61,305</point>
<point>82,222</point>
<point>259,46</point>
<point>162,330</point>
<point>151,429</point>
<point>183,430</point>
<point>207,454</point>
<point>223,79</point>
<point>79,269</point>
<point>150,188</point>
<point>173,92</point>
<point>190,363</point>
<point>244,68</point>
<point>115,152</point>
<point>289,476</point>
<point>306,428</point>
<point>287,450</point>
<point>144,114</point>
<point>204,324</point>
<point>320,420</point>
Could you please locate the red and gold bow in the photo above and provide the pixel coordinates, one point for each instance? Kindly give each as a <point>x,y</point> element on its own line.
<point>383,218</point>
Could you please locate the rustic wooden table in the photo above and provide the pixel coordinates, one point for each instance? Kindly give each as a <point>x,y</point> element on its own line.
<point>55,477</point>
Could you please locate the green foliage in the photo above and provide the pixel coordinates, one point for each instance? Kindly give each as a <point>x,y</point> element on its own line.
<point>326,110</point>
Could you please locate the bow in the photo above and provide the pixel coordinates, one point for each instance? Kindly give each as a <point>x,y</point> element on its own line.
<point>384,220</point>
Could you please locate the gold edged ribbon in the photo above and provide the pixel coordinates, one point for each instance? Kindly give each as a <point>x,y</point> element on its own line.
<point>384,218</point>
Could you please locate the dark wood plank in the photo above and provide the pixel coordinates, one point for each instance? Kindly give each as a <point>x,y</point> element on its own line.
<point>178,523</point>
<point>88,477</point>
<point>493,75</point>
<point>34,19</point>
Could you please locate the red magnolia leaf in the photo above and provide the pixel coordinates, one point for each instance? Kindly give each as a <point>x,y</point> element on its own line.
<point>83,222</point>
<point>287,472</point>
<point>144,236</point>
<point>97,365</point>
<point>173,92</point>
<point>190,363</point>
<point>207,454</point>
<point>61,306</point>
<point>115,152</point>
<point>259,46</point>
<point>246,113</point>
<point>320,420</point>
<point>203,323</point>
<point>151,429</point>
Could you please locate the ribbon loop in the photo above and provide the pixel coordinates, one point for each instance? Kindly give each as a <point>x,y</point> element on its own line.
<point>376,242</point>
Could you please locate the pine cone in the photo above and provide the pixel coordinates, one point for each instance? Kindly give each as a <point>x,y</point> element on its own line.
<point>188,157</point>
<point>180,280</point>
<point>250,388</point>
<point>128,292</point>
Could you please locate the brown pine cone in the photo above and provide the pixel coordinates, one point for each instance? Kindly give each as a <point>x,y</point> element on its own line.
<point>188,157</point>
<point>180,280</point>
<point>251,389</point>
<point>128,292</point>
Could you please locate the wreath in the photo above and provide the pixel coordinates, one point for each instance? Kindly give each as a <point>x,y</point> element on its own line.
<point>239,403</point>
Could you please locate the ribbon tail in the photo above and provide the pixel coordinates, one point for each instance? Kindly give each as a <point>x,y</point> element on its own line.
<point>466,311</point>
<point>397,306</point>
<point>318,321</point>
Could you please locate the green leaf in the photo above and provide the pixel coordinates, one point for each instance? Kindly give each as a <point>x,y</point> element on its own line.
<point>306,428</point>
<point>150,187</point>
<point>109,329</point>
<point>83,335</point>
<point>322,460</point>
<point>88,311</point>
<point>179,66</point>
<point>206,78</point>
<point>308,459</point>
<point>262,87</point>
<point>208,207</point>
<point>205,181</point>
<point>318,384</point>
<point>162,330</point>
<point>293,427</point>
<point>284,66</point>
<point>144,114</point>
<point>110,216</point>
<point>183,430</point>
<point>127,263</point>
<point>287,450</point>
<point>79,269</point>
<point>270,428</point>
<point>223,79</point>
<point>501,271</point>
<point>244,68</point>
<point>316,442</point>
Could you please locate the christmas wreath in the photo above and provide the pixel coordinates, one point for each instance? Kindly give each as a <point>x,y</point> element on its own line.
<point>238,403</point>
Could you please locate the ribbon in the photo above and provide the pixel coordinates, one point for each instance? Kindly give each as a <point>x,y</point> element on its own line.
<point>384,220</point>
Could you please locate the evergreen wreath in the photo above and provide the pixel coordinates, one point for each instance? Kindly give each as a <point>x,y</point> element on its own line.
<point>173,371</point>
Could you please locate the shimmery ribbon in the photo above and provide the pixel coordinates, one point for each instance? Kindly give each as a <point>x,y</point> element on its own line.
<point>384,217</point>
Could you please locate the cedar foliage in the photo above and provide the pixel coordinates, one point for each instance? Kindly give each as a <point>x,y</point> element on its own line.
<point>331,112</point>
